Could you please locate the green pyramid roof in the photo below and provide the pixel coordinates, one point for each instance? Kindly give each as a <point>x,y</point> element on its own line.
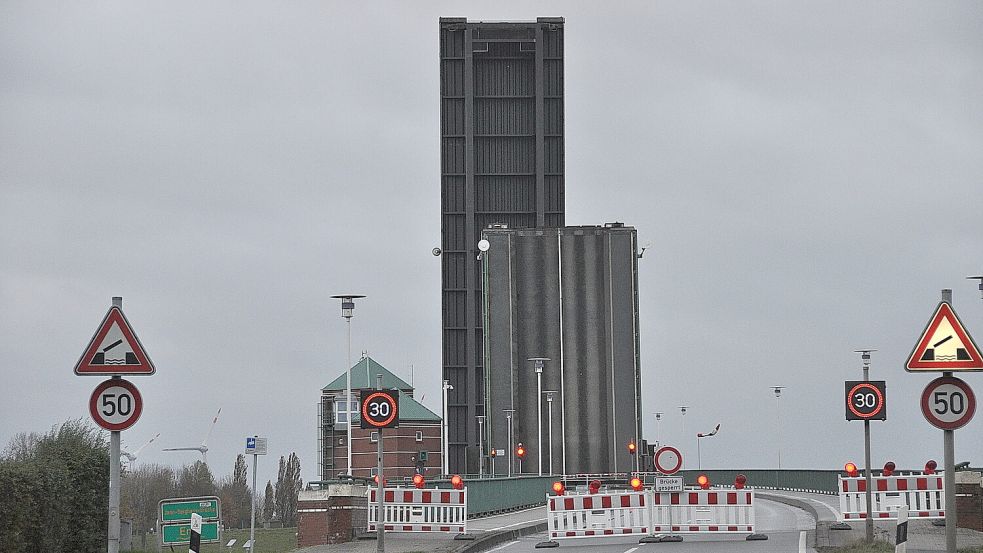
<point>363,376</point>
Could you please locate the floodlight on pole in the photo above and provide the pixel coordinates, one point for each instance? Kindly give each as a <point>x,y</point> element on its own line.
<point>979,278</point>
<point>508,417</point>
<point>347,312</point>
<point>538,365</point>
<point>443,430</point>
<point>549,403</point>
<point>682,410</point>
<point>778,420</point>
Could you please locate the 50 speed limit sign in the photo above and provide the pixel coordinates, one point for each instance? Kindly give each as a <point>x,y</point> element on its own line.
<point>115,404</point>
<point>948,403</point>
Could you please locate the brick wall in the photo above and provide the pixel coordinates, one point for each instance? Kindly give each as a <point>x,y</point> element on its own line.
<point>969,506</point>
<point>401,450</point>
<point>333,515</point>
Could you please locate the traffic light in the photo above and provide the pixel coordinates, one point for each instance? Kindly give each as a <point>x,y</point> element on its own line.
<point>631,448</point>
<point>636,484</point>
<point>520,451</point>
<point>558,488</point>
<point>704,481</point>
<point>457,482</point>
<point>418,481</point>
<point>851,469</point>
<point>376,480</point>
<point>739,481</point>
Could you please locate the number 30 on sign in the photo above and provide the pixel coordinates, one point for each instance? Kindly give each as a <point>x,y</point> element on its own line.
<point>379,409</point>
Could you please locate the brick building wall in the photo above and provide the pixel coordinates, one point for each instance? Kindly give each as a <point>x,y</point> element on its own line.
<point>400,451</point>
<point>333,515</point>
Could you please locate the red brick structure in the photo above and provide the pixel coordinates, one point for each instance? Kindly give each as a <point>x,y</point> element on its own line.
<point>414,445</point>
<point>969,501</point>
<point>331,515</point>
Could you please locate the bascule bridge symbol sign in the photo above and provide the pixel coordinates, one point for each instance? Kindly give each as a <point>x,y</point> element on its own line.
<point>114,349</point>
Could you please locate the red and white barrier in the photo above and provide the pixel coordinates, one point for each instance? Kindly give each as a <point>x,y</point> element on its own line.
<point>719,511</point>
<point>922,495</point>
<point>704,511</point>
<point>413,510</point>
<point>584,516</point>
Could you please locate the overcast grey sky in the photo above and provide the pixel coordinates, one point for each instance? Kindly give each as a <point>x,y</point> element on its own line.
<point>808,175</point>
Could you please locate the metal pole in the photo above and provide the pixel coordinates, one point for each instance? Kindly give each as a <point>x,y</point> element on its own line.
<point>380,516</point>
<point>699,456</point>
<point>348,399</point>
<point>114,463</point>
<point>549,403</point>
<point>539,414</point>
<point>481,445</point>
<point>949,475</point>
<point>869,521</point>
<point>511,452</point>
<point>443,430</point>
<point>114,481</point>
<point>252,510</point>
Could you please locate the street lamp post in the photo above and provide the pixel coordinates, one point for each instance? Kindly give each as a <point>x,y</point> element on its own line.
<point>539,407</point>
<point>549,403</point>
<point>778,420</point>
<point>511,453</point>
<point>682,409</point>
<point>658,429</point>
<point>481,445</point>
<point>443,430</point>
<point>347,311</point>
<point>868,523</point>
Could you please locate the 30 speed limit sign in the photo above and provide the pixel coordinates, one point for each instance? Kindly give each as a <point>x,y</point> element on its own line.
<point>115,404</point>
<point>948,403</point>
<point>379,409</point>
<point>866,400</point>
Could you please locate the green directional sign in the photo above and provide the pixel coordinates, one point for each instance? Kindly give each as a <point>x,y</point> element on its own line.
<point>179,510</point>
<point>175,534</point>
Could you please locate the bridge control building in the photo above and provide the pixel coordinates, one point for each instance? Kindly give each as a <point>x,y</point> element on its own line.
<point>415,444</point>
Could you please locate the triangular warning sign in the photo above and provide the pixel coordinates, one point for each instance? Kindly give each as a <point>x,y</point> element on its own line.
<point>945,345</point>
<point>114,349</point>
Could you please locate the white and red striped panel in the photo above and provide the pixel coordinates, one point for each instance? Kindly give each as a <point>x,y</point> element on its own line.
<point>922,495</point>
<point>597,515</point>
<point>414,510</point>
<point>704,511</point>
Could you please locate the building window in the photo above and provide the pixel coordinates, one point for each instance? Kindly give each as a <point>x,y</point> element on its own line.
<point>419,435</point>
<point>340,413</point>
<point>374,437</point>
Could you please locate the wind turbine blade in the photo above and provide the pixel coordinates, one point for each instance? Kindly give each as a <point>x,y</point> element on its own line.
<point>196,448</point>
<point>210,428</point>
<point>139,449</point>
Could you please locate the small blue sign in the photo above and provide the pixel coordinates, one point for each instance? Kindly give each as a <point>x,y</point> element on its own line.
<point>250,443</point>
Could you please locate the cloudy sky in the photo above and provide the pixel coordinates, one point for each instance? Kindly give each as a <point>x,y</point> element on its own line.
<point>807,175</point>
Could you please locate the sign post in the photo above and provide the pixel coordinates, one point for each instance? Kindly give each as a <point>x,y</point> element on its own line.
<point>947,403</point>
<point>114,350</point>
<point>254,446</point>
<point>379,409</point>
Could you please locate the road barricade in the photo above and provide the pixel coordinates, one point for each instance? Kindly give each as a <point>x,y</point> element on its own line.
<point>414,510</point>
<point>704,512</point>
<point>607,514</point>
<point>645,513</point>
<point>922,495</point>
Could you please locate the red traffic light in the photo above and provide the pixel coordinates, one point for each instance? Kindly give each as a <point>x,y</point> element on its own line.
<point>635,483</point>
<point>457,482</point>
<point>930,466</point>
<point>594,486</point>
<point>493,453</point>
<point>520,451</point>
<point>631,448</point>
<point>889,468</point>
<point>418,481</point>
<point>739,481</point>
<point>376,480</point>
<point>851,469</point>
<point>704,481</point>
<point>558,488</point>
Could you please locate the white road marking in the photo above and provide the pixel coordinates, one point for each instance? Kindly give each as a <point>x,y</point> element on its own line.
<point>802,541</point>
<point>507,526</point>
<point>630,550</point>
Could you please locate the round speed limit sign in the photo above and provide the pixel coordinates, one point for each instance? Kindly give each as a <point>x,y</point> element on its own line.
<point>115,404</point>
<point>948,403</point>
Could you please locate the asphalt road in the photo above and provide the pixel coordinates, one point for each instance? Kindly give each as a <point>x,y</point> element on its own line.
<point>784,525</point>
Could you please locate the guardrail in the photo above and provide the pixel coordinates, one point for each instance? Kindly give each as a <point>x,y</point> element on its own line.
<point>488,496</point>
